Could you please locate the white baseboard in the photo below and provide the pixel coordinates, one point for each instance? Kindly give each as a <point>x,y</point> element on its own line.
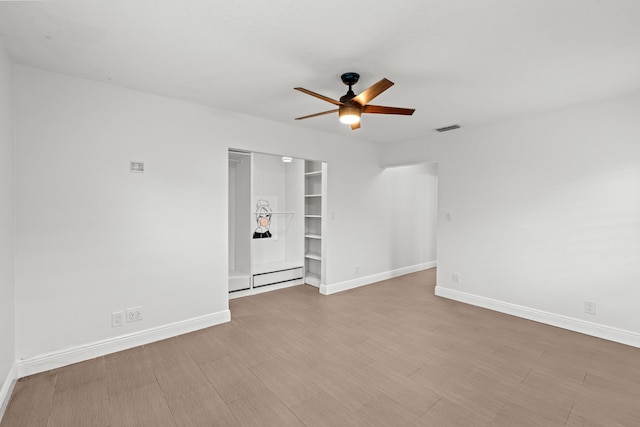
<point>565,322</point>
<point>7,388</point>
<point>265,288</point>
<point>57,359</point>
<point>367,280</point>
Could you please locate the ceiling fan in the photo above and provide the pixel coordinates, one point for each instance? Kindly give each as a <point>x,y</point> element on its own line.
<point>351,107</point>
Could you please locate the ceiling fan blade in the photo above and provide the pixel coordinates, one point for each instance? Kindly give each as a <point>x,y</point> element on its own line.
<point>317,114</point>
<point>373,91</point>
<point>379,109</point>
<point>317,95</point>
<point>355,126</point>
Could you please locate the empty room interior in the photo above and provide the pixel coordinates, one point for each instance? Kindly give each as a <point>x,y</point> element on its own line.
<point>330,213</point>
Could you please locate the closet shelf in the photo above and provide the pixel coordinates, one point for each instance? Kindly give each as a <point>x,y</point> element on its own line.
<point>313,255</point>
<point>315,188</point>
<point>312,279</point>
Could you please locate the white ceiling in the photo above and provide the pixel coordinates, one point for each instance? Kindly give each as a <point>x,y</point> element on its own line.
<point>454,61</point>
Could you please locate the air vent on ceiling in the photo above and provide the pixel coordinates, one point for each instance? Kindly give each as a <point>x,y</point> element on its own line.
<point>448,128</point>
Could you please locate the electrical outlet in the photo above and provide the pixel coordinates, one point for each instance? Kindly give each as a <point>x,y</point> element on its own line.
<point>117,319</point>
<point>356,270</point>
<point>590,307</point>
<point>455,277</point>
<point>134,314</point>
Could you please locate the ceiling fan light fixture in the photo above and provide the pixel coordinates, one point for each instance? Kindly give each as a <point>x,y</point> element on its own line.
<point>349,114</point>
<point>352,106</point>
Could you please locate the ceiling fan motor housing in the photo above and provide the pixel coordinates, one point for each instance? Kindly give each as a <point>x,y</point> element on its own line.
<point>347,97</point>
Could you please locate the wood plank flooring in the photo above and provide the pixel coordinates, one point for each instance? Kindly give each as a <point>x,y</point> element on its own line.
<point>387,354</point>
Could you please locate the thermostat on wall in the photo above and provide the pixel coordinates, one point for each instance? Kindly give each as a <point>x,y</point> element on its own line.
<point>137,167</point>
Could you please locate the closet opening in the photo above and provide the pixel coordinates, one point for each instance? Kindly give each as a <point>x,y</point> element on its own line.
<point>277,222</point>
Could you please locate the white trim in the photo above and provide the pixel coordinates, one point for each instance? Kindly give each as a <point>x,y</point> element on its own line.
<point>565,322</point>
<point>7,388</point>
<point>57,359</point>
<point>265,288</point>
<point>367,280</point>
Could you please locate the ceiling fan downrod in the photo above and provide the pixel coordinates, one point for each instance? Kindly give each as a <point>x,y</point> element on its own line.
<point>349,79</point>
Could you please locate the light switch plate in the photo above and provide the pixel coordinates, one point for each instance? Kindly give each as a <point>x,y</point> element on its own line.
<point>136,167</point>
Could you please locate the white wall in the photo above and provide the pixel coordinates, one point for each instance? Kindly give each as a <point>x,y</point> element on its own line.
<point>355,197</point>
<point>232,216</point>
<point>271,177</point>
<point>7,299</point>
<point>545,215</point>
<point>295,223</point>
<point>411,208</point>
<point>239,220</point>
<point>92,238</point>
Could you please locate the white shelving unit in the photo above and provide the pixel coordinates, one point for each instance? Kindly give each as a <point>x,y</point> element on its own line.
<point>314,222</point>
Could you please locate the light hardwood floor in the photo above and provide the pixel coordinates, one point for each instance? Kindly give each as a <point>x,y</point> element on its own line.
<point>387,354</point>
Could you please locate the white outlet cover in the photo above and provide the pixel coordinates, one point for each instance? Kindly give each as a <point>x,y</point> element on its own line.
<point>590,307</point>
<point>117,319</point>
<point>134,314</point>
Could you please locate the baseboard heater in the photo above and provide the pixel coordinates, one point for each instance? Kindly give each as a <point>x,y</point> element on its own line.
<point>279,276</point>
